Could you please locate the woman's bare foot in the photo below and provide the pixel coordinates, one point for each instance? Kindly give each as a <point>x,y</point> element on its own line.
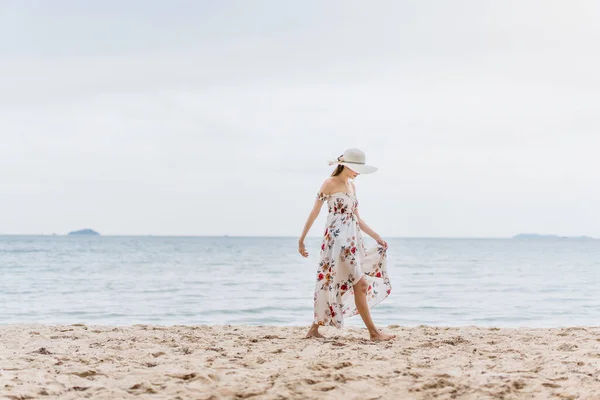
<point>379,336</point>
<point>314,332</point>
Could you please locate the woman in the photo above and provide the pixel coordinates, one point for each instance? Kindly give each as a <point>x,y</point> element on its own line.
<point>351,278</point>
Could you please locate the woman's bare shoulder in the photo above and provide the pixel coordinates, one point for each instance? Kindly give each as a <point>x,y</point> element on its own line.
<point>328,186</point>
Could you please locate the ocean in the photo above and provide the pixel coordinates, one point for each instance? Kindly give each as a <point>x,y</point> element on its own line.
<point>112,280</point>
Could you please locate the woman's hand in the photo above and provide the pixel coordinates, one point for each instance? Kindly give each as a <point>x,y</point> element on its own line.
<point>381,242</point>
<point>302,249</point>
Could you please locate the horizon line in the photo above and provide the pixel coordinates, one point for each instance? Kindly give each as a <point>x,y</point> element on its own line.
<point>541,236</point>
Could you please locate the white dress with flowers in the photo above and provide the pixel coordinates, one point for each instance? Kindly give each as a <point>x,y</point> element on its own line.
<point>344,260</point>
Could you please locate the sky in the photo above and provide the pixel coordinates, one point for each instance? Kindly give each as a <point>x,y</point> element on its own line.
<point>218,117</point>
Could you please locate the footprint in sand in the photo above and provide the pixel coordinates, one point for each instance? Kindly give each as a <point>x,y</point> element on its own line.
<point>343,364</point>
<point>139,388</point>
<point>318,366</point>
<point>85,374</point>
<point>43,350</point>
<point>567,347</point>
<point>551,385</point>
<point>327,388</point>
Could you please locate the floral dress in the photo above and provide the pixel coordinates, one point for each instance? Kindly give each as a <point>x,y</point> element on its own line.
<point>344,260</point>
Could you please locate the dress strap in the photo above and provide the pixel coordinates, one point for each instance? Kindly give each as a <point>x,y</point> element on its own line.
<point>323,197</point>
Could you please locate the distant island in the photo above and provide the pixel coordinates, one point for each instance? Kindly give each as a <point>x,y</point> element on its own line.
<point>538,236</point>
<point>84,232</point>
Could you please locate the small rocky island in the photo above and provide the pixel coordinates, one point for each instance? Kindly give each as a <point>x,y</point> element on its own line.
<point>84,232</point>
<point>538,236</point>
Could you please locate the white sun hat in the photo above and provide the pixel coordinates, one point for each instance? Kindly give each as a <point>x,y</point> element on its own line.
<point>355,160</point>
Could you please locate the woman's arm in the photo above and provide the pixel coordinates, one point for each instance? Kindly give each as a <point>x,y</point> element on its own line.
<point>314,213</point>
<point>309,222</point>
<point>366,228</point>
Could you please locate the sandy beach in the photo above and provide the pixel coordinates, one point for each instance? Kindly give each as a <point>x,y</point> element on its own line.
<point>242,362</point>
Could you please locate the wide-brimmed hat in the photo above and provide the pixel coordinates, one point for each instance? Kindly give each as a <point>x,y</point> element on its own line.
<point>355,160</point>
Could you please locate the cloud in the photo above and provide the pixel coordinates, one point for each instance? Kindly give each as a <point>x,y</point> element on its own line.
<point>195,119</point>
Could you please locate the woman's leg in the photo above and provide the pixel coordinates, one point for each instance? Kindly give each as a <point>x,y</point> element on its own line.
<point>360,299</point>
<point>314,332</point>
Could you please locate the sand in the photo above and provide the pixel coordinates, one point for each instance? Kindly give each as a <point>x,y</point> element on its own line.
<point>227,362</point>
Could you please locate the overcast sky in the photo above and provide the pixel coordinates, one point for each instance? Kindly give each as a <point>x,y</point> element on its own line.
<point>218,117</point>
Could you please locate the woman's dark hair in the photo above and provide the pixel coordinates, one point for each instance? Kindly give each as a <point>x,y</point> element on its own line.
<point>338,170</point>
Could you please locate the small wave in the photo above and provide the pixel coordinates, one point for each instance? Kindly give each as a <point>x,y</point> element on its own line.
<point>257,310</point>
<point>22,251</point>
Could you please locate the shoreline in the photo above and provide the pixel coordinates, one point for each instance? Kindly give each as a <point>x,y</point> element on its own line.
<point>222,362</point>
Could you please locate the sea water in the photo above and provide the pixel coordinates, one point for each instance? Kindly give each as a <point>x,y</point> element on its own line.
<point>264,281</point>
